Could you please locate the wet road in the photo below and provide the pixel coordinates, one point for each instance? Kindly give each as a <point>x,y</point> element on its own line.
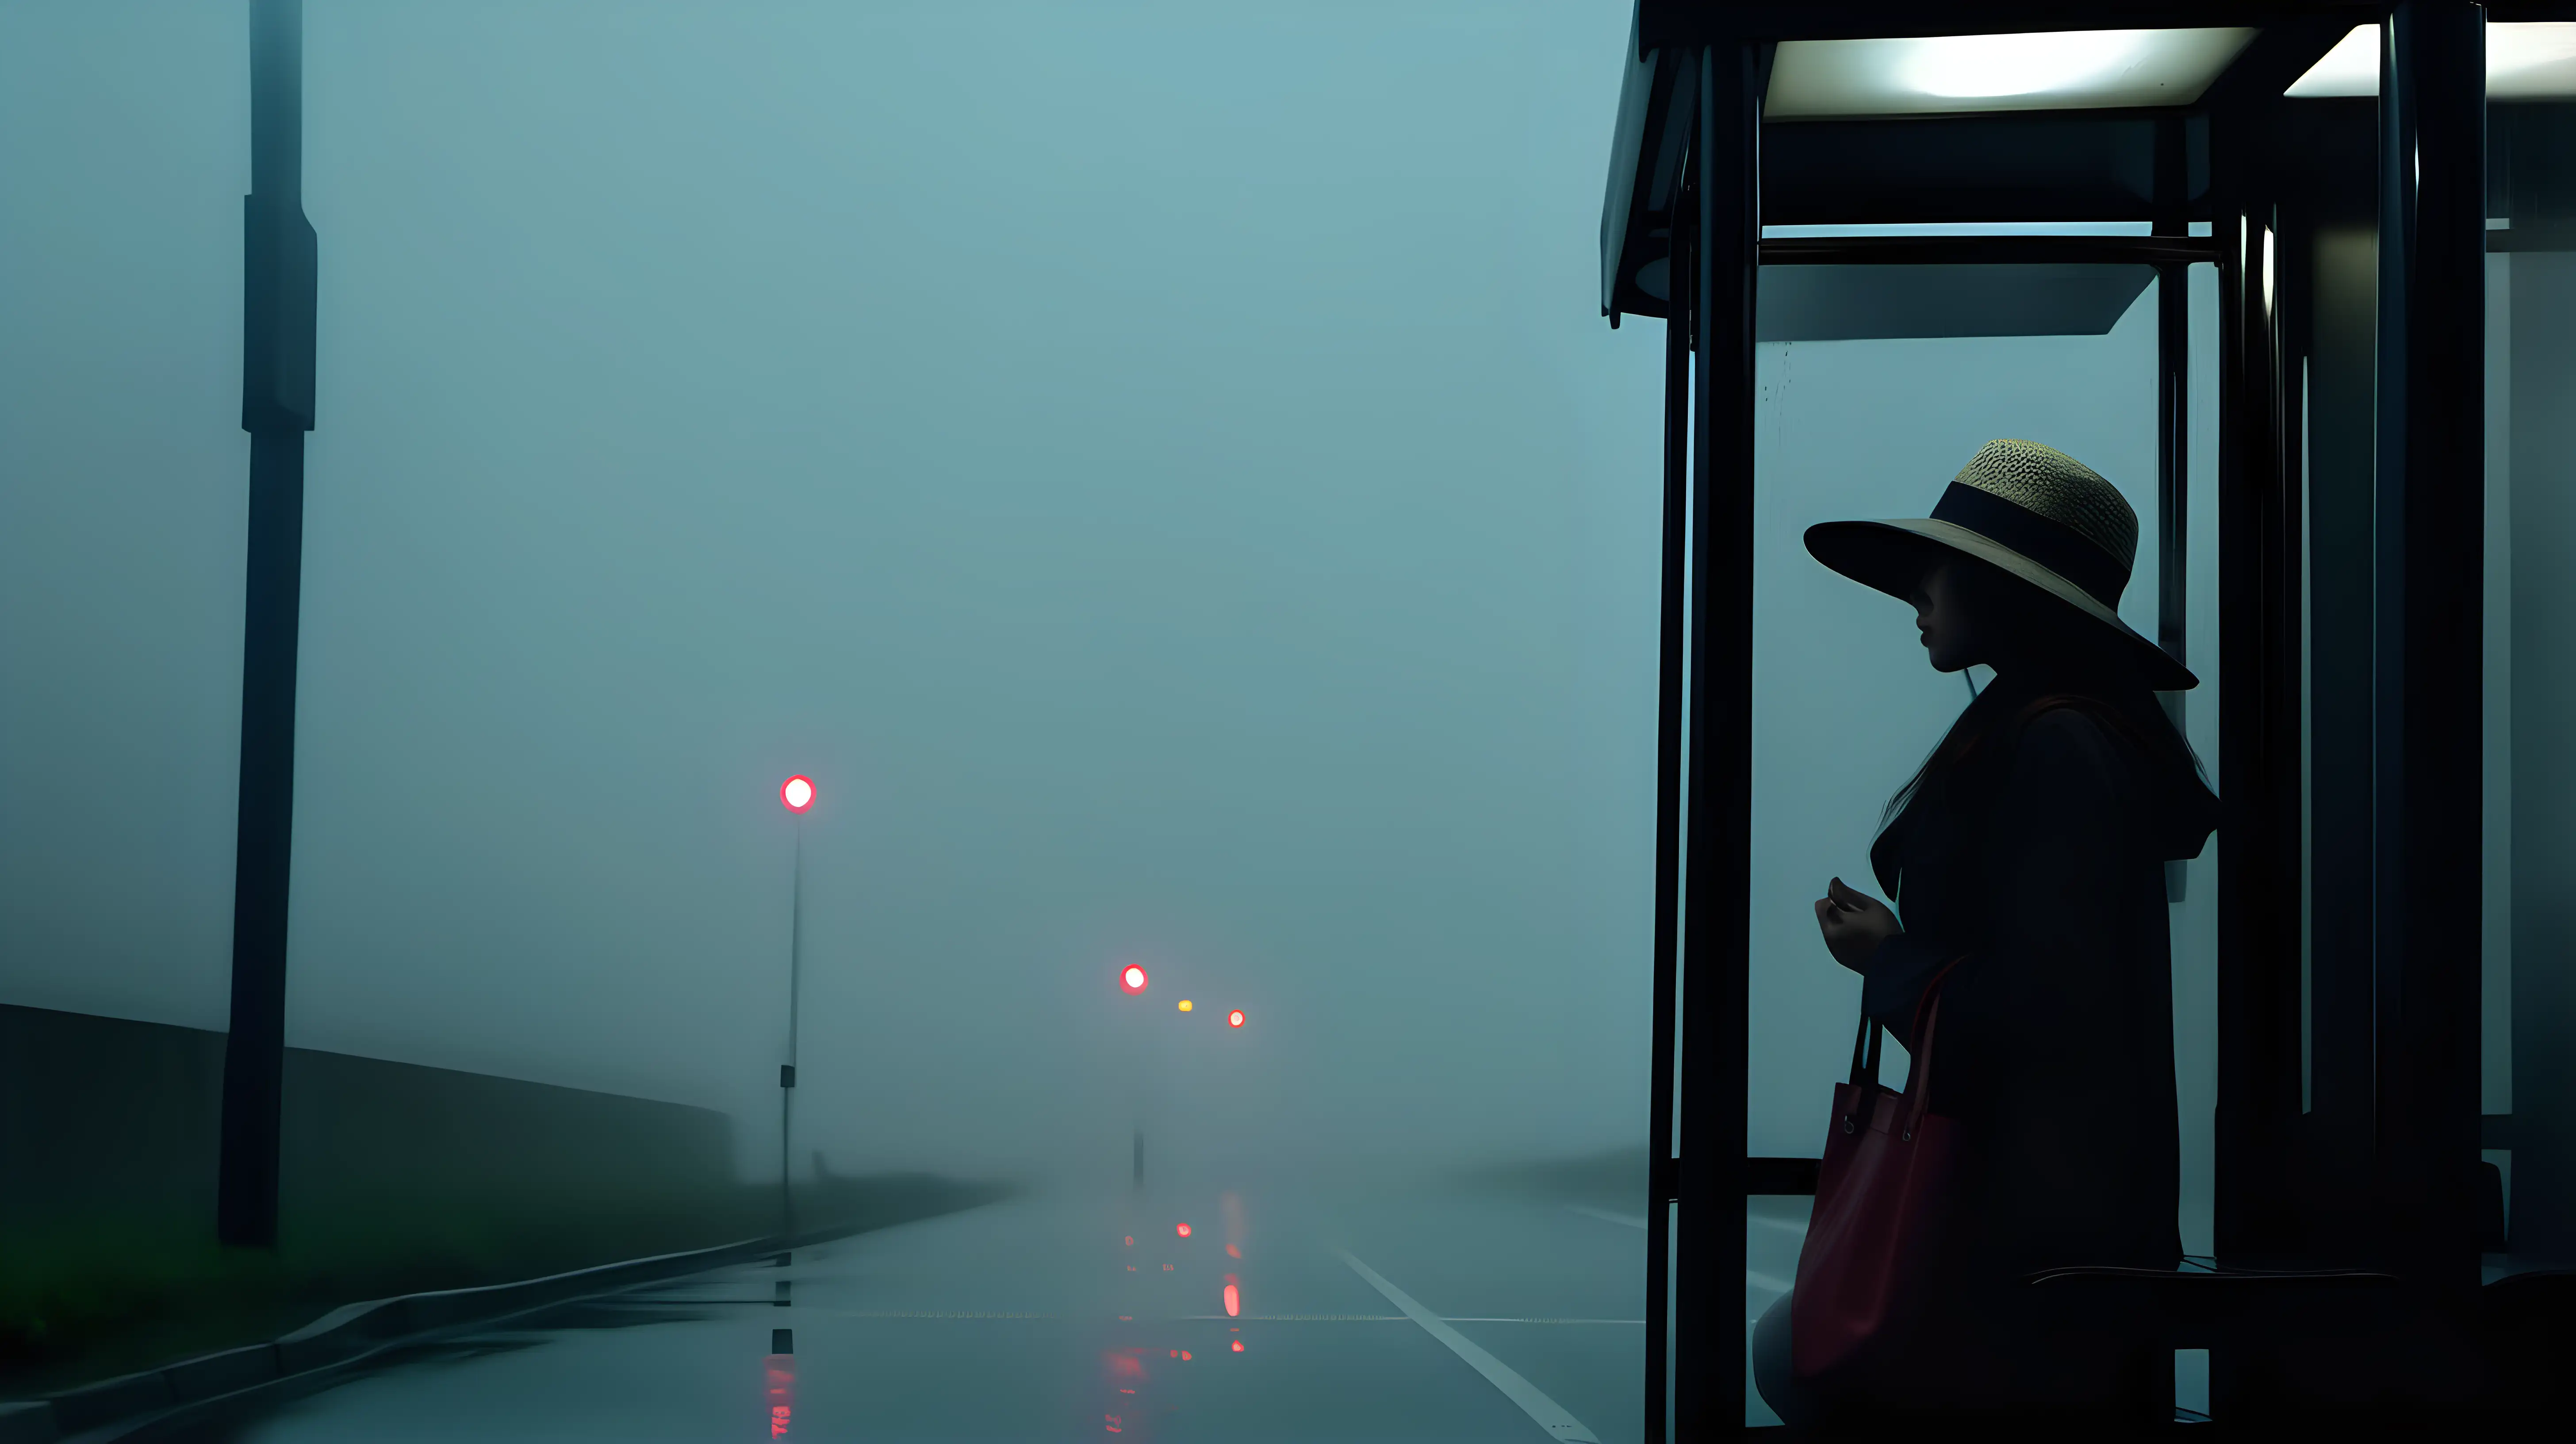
<point>1431,1317</point>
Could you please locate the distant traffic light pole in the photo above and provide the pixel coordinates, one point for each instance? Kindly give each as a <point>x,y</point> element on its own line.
<point>1132,981</point>
<point>797,793</point>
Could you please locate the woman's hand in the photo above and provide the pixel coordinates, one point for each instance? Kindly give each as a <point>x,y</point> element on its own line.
<point>1854,924</point>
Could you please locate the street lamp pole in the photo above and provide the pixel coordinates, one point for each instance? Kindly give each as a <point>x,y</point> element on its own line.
<point>1132,981</point>
<point>798,795</point>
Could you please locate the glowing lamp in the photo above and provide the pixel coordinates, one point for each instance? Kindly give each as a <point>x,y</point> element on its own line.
<point>1185,1005</point>
<point>1132,979</point>
<point>797,792</point>
<point>1184,1230</point>
<point>2526,60</point>
<point>1962,66</point>
<point>1234,1019</point>
<point>2045,70</point>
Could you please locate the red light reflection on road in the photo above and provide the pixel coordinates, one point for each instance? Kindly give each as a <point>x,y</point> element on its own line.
<point>1232,1252</point>
<point>1233,1302</point>
<point>780,1370</point>
<point>1126,1370</point>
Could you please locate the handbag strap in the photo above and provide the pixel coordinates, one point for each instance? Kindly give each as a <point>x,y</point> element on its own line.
<point>1864,1069</point>
<point>1864,1063</point>
<point>1918,1081</point>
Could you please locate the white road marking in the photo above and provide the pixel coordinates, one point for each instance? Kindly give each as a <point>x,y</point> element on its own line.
<point>1543,1411</point>
<point>1636,1221</point>
<point>1389,1319</point>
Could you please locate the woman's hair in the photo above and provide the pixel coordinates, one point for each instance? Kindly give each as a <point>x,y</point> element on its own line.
<point>2064,659</point>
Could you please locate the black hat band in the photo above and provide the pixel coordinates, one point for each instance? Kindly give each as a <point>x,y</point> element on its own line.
<point>2058,547</point>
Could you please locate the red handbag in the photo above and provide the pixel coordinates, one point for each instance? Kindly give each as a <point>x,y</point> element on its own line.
<point>1883,1197</point>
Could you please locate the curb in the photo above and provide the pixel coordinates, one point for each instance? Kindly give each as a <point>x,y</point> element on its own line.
<point>348,1333</point>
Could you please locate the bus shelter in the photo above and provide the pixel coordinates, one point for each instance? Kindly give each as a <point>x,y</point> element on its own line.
<point>2355,220</point>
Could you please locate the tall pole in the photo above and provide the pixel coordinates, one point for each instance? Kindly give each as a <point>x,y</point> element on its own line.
<point>787,1071</point>
<point>2173,427</point>
<point>1132,982</point>
<point>277,409</point>
<point>1668,818</point>
<point>1708,1250</point>
<point>2426,728</point>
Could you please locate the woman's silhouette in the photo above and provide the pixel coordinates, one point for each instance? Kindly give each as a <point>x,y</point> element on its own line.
<point>2028,851</point>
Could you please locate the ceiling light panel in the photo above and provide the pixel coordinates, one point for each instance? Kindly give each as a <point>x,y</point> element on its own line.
<point>2526,60</point>
<point>2046,70</point>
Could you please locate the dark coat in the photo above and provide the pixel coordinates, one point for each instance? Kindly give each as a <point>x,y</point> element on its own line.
<point>2038,868</point>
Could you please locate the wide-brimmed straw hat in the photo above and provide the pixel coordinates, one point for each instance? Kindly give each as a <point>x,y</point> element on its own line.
<point>2026,509</point>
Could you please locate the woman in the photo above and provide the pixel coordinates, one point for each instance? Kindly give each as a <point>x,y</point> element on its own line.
<point>2027,857</point>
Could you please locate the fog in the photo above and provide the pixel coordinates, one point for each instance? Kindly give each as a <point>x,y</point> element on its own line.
<point>1159,469</point>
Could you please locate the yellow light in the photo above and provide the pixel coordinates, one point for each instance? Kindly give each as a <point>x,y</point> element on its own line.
<point>1185,1005</point>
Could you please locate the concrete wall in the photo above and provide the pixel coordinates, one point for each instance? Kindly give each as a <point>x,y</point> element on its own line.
<point>112,1120</point>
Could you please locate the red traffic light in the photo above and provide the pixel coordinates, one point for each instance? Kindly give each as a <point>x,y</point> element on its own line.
<point>1131,979</point>
<point>1234,1019</point>
<point>797,792</point>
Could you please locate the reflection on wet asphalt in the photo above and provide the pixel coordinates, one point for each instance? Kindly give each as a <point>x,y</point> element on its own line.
<point>1039,1318</point>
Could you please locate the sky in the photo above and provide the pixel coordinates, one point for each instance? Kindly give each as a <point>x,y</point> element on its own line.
<point>1160,470</point>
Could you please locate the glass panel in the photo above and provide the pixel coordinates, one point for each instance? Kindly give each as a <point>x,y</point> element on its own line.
<point>2530,1002</point>
<point>1845,707</point>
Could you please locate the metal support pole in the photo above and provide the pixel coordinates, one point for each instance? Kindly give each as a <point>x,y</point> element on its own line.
<point>2173,432</point>
<point>1709,1251</point>
<point>1668,820</point>
<point>2427,692</point>
<point>278,279</point>
<point>2260,886</point>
